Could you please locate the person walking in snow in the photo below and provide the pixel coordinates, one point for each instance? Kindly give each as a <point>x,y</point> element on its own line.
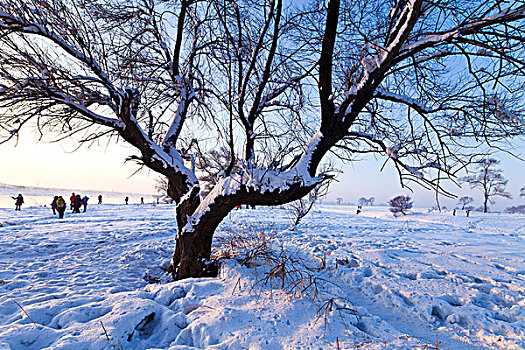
<point>72,200</point>
<point>126,200</point>
<point>77,203</point>
<point>84,202</point>
<point>19,200</point>
<point>99,199</point>
<point>60,206</point>
<point>54,205</point>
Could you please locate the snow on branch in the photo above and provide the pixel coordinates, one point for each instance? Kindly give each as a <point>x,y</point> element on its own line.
<point>260,180</point>
<point>172,160</point>
<point>376,65</point>
<point>187,95</point>
<point>82,109</point>
<point>302,168</point>
<point>502,113</point>
<point>40,87</point>
<point>415,104</point>
<point>468,28</point>
<point>394,153</point>
<point>267,99</point>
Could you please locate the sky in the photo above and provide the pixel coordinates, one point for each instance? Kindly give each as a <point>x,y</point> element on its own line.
<point>364,179</point>
<point>43,164</point>
<point>103,168</point>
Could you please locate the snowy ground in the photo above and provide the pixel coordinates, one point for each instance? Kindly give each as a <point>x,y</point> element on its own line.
<point>97,281</point>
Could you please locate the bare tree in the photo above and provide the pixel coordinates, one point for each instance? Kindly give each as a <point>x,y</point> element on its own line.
<point>211,167</point>
<point>400,204</point>
<point>522,191</point>
<point>161,188</point>
<point>464,201</point>
<point>488,180</point>
<point>518,209</point>
<point>366,201</point>
<point>339,200</point>
<point>424,84</point>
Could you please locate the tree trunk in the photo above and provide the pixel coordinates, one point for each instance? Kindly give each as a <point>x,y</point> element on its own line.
<point>193,243</point>
<point>192,254</point>
<point>485,204</point>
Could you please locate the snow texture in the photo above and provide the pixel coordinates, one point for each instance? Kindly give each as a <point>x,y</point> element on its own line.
<point>97,280</point>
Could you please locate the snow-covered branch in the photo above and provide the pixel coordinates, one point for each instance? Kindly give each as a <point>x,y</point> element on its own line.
<point>260,182</point>
<point>85,111</point>
<point>413,103</point>
<point>42,88</point>
<point>471,27</point>
<point>186,96</point>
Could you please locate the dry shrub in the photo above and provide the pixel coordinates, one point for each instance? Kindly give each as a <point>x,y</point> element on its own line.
<point>276,267</point>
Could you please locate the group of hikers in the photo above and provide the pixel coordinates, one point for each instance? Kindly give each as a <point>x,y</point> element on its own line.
<point>58,205</point>
<point>76,202</point>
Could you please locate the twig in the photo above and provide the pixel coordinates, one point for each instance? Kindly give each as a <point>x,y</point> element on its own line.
<point>235,286</point>
<point>104,328</point>
<point>25,312</point>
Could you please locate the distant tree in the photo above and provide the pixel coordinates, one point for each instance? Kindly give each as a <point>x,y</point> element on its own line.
<point>518,209</point>
<point>339,200</point>
<point>161,188</point>
<point>522,192</point>
<point>211,166</point>
<point>366,201</point>
<point>488,180</point>
<point>464,201</point>
<point>400,204</point>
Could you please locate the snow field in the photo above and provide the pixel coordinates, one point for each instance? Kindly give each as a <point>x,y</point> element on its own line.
<point>97,280</point>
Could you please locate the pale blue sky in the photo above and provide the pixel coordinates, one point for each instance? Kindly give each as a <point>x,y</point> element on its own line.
<point>364,179</point>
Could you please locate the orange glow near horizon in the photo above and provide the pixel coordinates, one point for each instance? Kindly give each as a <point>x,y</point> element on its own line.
<point>43,164</point>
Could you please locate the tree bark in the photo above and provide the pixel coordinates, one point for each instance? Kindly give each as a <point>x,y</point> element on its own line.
<point>193,243</point>
<point>192,254</point>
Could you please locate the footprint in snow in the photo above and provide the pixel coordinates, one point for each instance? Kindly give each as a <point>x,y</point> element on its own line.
<point>367,271</point>
<point>453,300</point>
